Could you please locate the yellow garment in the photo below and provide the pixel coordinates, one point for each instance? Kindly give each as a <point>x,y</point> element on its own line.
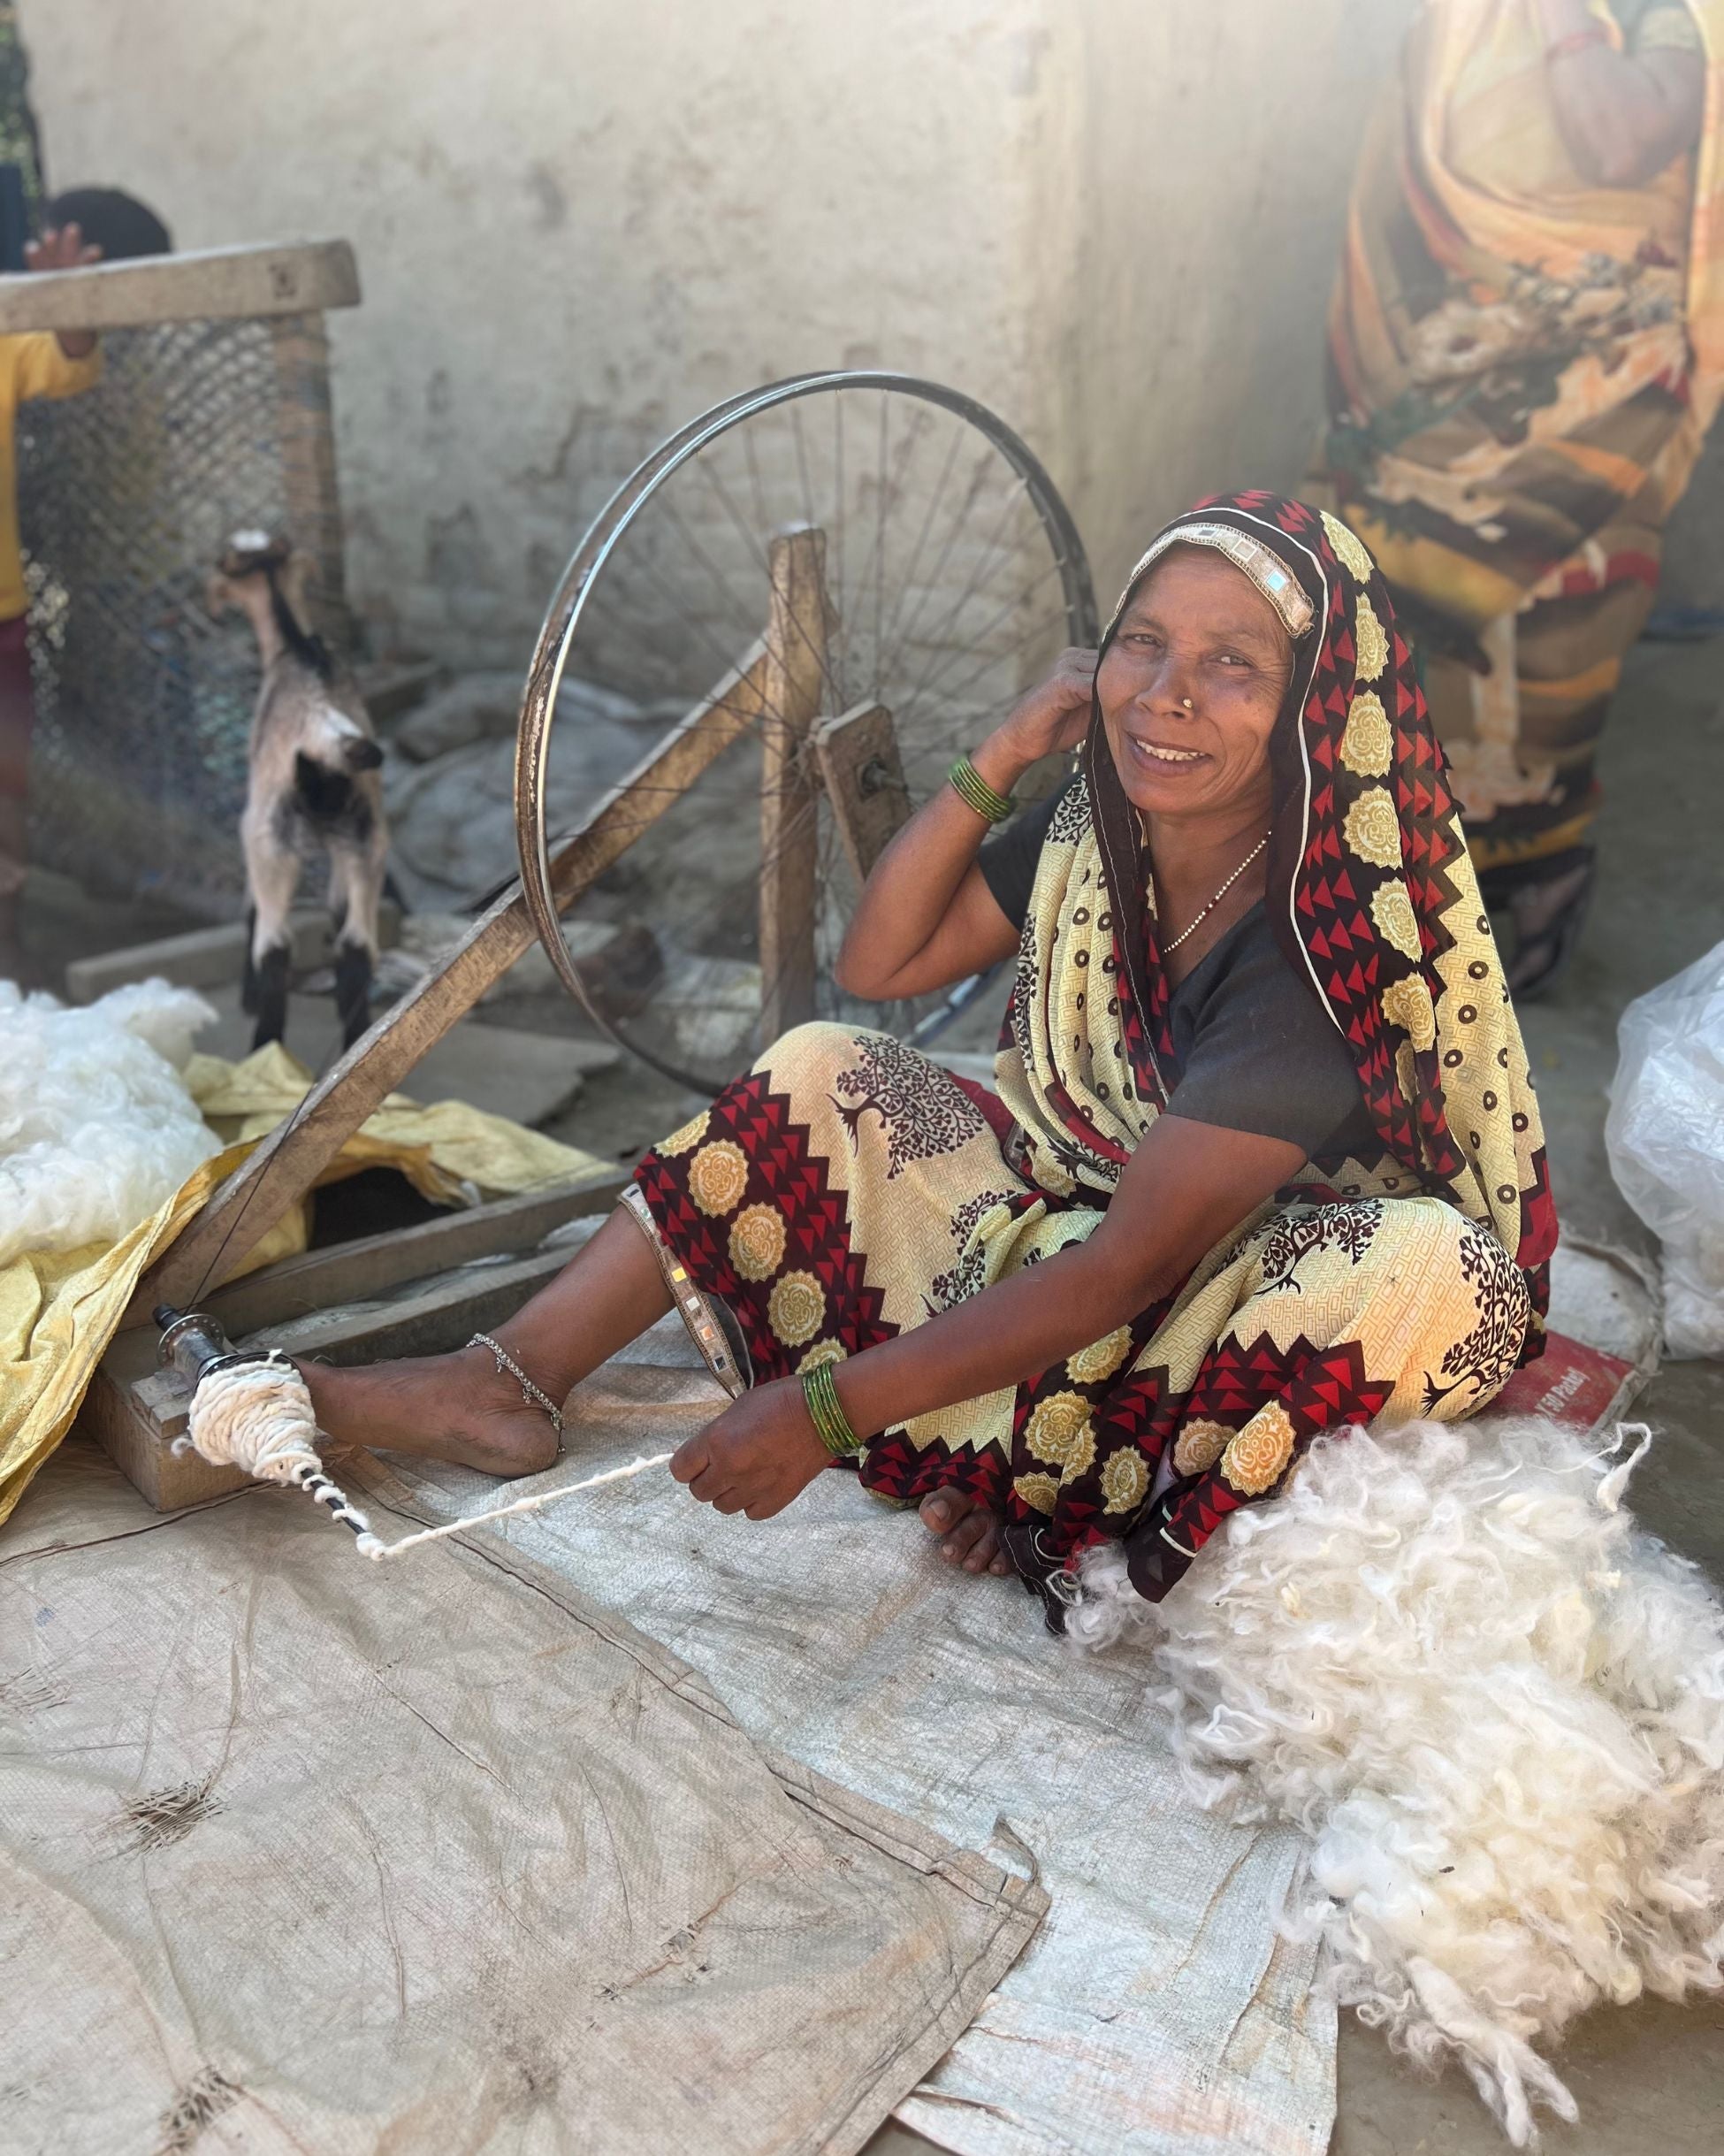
<point>452,1154</point>
<point>1523,365</point>
<point>59,1312</point>
<point>1467,176</point>
<point>30,366</point>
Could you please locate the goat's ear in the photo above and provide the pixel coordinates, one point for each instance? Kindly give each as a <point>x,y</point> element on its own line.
<point>220,595</point>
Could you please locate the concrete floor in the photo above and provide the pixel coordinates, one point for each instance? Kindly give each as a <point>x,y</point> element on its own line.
<point>1649,2077</point>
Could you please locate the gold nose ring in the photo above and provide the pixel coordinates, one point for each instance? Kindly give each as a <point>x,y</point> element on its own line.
<point>1186,701</point>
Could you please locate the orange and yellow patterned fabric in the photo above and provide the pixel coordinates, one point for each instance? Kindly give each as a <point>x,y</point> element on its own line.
<point>1523,366</point>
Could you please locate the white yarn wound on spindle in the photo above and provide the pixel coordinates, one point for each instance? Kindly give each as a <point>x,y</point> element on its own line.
<point>258,1417</point>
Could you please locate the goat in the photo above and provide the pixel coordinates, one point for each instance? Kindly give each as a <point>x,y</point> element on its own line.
<point>313,787</point>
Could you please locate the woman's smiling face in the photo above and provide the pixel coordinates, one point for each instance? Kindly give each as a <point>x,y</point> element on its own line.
<point>1191,686</point>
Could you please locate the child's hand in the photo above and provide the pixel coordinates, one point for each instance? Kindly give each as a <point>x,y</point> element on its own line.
<point>64,250</point>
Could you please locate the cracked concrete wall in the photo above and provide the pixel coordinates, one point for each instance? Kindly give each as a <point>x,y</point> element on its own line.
<point>577,223</point>
<point>1212,163</point>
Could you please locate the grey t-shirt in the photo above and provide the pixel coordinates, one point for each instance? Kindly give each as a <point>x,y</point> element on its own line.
<point>1253,1048</point>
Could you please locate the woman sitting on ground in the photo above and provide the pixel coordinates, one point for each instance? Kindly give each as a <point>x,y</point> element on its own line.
<point>1264,1158</point>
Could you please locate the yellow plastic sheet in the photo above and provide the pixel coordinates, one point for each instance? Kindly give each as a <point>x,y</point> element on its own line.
<point>59,1311</point>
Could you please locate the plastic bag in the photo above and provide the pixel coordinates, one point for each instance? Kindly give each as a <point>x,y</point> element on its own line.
<point>1665,1135</point>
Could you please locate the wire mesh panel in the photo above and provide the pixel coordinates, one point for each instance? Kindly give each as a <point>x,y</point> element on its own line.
<point>126,495</point>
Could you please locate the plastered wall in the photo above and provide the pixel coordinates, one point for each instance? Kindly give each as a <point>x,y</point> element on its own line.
<point>579,222</point>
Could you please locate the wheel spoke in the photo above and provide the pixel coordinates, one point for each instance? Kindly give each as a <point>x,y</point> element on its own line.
<point>927,687</point>
<point>802,467</point>
<point>974,584</point>
<point>842,601</point>
<point>880,538</point>
<point>935,610</point>
<point>914,562</point>
<point>977,478</point>
<point>759,550</point>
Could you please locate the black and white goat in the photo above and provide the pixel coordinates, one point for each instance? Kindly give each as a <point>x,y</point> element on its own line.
<point>314,788</point>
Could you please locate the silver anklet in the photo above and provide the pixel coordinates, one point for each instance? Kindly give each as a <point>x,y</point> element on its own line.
<point>529,1392</point>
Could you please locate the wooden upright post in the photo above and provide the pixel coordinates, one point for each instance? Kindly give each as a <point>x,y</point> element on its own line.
<point>862,775</point>
<point>789,783</point>
<point>305,430</point>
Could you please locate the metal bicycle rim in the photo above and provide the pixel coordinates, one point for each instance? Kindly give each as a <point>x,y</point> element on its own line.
<point>562,619</point>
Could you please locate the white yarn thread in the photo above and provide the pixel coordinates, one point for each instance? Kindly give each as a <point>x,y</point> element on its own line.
<point>258,1417</point>
<point>521,1504</point>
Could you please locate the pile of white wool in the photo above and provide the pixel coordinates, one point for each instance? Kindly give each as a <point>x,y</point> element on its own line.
<point>96,1126</point>
<point>1494,1704</point>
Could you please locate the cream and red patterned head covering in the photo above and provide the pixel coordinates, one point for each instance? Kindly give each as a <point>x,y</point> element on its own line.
<point>1371,896</point>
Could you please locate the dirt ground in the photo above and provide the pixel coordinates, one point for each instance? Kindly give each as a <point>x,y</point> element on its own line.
<point>1649,2077</point>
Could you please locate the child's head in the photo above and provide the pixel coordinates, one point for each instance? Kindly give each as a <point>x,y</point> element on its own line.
<point>116,222</point>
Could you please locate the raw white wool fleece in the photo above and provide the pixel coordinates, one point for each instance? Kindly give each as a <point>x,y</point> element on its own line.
<point>1494,1704</point>
<point>96,1127</point>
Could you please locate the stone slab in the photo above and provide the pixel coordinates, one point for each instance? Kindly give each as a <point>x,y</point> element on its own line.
<point>207,958</point>
<point>389,687</point>
<point>529,1077</point>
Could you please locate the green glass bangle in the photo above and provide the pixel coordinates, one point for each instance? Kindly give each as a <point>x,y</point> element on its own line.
<point>975,789</point>
<point>825,1412</point>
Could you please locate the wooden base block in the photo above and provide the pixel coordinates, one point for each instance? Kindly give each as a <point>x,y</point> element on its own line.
<point>117,1413</point>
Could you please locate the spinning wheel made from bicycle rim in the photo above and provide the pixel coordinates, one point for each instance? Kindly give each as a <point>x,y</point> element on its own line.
<point>765,652</point>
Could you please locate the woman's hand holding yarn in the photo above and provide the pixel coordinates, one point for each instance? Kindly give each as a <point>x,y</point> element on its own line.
<point>759,1454</point>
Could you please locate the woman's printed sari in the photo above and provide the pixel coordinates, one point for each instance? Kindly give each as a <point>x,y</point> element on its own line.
<point>849,1188</point>
<point>1522,368</point>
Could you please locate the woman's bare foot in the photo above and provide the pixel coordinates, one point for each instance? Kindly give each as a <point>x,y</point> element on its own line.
<point>443,1407</point>
<point>972,1532</point>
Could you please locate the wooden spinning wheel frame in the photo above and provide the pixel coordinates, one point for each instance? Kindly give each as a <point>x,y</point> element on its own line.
<point>783,692</point>
<point>789,688</point>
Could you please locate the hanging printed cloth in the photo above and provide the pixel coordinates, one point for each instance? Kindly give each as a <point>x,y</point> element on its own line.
<point>1523,367</point>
